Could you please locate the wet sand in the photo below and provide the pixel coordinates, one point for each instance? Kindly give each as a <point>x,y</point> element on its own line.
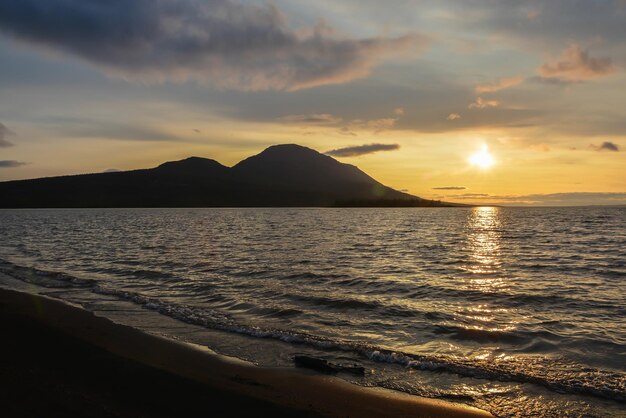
<point>60,360</point>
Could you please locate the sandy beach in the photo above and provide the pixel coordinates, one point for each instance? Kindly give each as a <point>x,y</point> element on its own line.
<point>60,360</point>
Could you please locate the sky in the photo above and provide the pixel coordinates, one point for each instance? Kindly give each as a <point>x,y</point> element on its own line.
<point>409,91</point>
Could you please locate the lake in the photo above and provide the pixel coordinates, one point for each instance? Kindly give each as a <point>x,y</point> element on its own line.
<point>519,311</point>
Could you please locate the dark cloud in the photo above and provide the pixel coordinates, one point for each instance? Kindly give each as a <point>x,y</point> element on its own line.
<point>450,188</point>
<point>552,81</point>
<point>11,163</point>
<point>606,146</point>
<point>311,119</point>
<point>229,44</point>
<point>111,170</point>
<point>575,64</point>
<point>362,150</point>
<point>4,132</point>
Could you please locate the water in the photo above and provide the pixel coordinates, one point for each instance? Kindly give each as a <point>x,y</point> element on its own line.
<point>520,311</point>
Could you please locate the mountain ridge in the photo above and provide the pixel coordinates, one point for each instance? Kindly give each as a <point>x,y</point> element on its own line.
<point>282,175</point>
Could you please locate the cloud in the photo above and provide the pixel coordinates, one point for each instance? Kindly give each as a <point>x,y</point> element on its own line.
<point>606,146</point>
<point>471,195</point>
<point>4,132</point>
<point>550,199</point>
<point>501,84</point>
<point>374,125</point>
<point>551,81</point>
<point>379,125</point>
<point>78,127</point>
<point>111,170</point>
<point>481,103</point>
<point>346,127</point>
<point>574,65</point>
<point>362,150</point>
<point>450,188</point>
<point>11,163</point>
<point>344,130</point>
<point>453,116</point>
<point>312,119</point>
<point>229,44</point>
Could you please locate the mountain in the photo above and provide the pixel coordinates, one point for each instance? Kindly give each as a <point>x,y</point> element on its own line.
<point>281,175</point>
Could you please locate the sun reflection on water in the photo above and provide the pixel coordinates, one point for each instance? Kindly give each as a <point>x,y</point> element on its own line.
<point>484,272</point>
<point>483,246</point>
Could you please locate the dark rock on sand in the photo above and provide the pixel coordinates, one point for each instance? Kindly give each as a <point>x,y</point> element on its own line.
<point>324,366</point>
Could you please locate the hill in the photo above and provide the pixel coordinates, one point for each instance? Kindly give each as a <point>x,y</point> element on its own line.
<point>281,175</point>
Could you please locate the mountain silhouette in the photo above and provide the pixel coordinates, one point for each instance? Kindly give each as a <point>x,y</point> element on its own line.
<point>281,175</point>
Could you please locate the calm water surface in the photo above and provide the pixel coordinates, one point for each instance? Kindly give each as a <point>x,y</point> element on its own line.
<point>520,311</point>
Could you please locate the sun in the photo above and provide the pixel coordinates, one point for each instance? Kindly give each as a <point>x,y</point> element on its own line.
<point>482,159</point>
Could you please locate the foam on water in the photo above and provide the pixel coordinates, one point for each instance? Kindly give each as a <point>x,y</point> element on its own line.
<point>548,372</point>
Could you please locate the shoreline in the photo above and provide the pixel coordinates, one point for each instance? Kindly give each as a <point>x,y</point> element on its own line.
<point>283,392</point>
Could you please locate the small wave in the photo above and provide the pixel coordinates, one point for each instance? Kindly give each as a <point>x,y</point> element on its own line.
<point>314,277</point>
<point>43,278</point>
<point>550,373</point>
<point>515,300</point>
<point>431,291</point>
<point>383,309</point>
<point>150,274</point>
<point>553,374</point>
<point>336,303</point>
<point>480,335</point>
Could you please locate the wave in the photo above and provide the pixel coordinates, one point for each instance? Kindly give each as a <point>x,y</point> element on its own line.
<point>480,335</point>
<point>429,291</point>
<point>554,374</point>
<point>43,278</point>
<point>514,300</point>
<point>417,290</point>
<point>550,373</point>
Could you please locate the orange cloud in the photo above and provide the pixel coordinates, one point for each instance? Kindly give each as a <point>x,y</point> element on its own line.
<point>481,103</point>
<point>501,84</point>
<point>575,64</point>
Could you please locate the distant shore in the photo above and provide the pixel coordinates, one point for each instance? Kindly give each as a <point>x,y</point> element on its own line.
<point>60,360</point>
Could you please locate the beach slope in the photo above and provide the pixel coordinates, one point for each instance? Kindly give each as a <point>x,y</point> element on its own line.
<point>60,360</point>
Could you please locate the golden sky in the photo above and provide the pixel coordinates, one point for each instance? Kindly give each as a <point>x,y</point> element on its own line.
<point>408,91</point>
